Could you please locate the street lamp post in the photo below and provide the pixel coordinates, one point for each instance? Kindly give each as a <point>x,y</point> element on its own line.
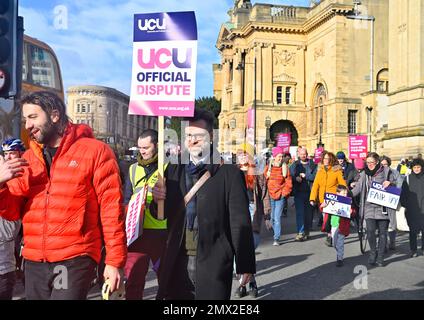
<point>241,67</point>
<point>320,144</point>
<point>369,109</point>
<point>267,126</point>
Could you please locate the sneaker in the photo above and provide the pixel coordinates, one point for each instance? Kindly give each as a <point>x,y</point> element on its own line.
<point>305,237</point>
<point>275,243</point>
<point>339,263</point>
<point>413,254</point>
<point>380,263</point>
<point>299,237</point>
<point>253,290</point>
<point>241,292</point>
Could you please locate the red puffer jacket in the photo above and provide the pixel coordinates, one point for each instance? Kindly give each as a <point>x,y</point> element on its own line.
<point>68,214</point>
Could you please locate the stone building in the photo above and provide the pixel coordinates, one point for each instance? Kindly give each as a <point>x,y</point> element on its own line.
<point>322,72</point>
<point>105,110</point>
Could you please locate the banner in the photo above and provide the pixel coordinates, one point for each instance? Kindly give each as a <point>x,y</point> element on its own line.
<point>337,205</point>
<point>358,147</point>
<point>284,141</point>
<point>388,197</point>
<point>317,154</point>
<point>164,64</point>
<point>250,130</point>
<point>135,215</point>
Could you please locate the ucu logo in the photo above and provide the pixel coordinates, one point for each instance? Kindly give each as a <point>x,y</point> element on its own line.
<point>152,24</point>
<point>163,58</point>
<point>331,197</point>
<point>378,186</point>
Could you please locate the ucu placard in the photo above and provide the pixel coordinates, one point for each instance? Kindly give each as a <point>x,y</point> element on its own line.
<point>338,205</point>
<point>386,197</point>
<point>164,64</point>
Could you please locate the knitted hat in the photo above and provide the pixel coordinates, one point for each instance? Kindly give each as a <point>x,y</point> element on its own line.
<point>276,151</point>
<point>340,155</point>
<point>359,163</point>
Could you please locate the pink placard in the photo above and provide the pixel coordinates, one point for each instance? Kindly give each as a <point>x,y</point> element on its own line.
<point>284,141</point>
<point>318,154</point>
<point>251,118</point>
<point>358,146</point>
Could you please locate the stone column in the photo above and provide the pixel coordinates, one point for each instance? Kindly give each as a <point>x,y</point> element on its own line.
<point>237,81</point>
<point>268,73</point>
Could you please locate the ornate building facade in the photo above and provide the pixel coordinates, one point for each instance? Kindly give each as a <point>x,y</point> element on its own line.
<point>323,72</point>
<point>105,110</point>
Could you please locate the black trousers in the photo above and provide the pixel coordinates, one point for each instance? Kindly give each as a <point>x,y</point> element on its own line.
<point>413,235</point>
<point>182,285</point>
<point>7,282</point>
<point>64,280</point>
<point>382,226</point>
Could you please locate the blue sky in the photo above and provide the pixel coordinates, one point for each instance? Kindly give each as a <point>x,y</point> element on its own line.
<point>96,46</point>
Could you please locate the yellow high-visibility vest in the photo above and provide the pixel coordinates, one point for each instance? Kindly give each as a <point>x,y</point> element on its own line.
<point>138,181</point>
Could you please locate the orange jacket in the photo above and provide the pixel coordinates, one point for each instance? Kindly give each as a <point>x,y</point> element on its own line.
<point>326,181</point>
<point>277,184</point>
<point>69,213</point>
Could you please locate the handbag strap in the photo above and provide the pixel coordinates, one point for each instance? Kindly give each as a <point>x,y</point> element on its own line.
<point>196,187</point>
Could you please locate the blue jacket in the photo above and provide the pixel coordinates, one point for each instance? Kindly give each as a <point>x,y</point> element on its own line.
<point>296,169</point>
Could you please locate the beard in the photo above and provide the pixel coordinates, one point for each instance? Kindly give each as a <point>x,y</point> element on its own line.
<point>46,133</point>
<point>198,152</point>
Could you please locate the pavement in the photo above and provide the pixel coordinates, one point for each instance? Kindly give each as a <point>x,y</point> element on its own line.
<point>307,270</point>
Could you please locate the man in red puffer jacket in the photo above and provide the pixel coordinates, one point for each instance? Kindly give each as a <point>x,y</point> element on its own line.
<point>66,189</point>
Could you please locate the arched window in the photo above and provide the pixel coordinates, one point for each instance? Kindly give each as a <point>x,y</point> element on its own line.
<point>383,80</point>
<point>319,100</point>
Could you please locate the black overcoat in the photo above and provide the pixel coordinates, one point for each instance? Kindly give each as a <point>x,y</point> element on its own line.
<point>225,230</point>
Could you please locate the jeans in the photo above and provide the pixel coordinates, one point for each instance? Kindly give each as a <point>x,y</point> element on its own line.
<point>7,282</point>
<point>63,280</point>
<point>304,214</point>
<point>382,226</point>
<point>276,211</point>
<point>338,242</point>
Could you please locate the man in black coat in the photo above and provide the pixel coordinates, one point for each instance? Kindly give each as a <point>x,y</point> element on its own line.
<point>412,198</point>
<point>214,227</point>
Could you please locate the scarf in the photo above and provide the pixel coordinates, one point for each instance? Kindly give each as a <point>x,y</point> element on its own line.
<point>143,162</point>
<point>195,169</point>
<point>372,173</point>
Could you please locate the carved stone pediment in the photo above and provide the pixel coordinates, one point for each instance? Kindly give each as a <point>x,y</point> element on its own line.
<point>284,77</point>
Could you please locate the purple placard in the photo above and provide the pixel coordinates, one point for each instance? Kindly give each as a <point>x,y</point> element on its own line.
<point>165,26</point>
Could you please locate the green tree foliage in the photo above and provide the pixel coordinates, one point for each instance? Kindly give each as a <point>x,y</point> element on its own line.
<point>208,103</point>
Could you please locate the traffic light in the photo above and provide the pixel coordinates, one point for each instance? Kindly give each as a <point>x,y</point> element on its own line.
<point>8,47</point>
